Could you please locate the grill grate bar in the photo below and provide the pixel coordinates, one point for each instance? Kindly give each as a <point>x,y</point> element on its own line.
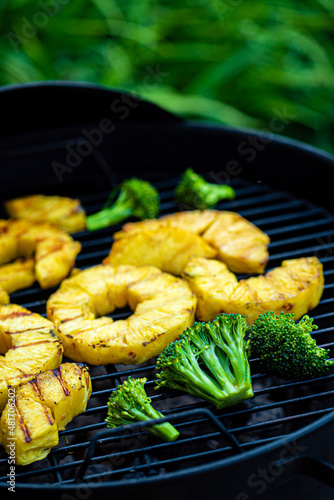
<point>315,236</point>
<point>286,205</point>
<point>297,227</point>
<point>281,218</point>
<point>284,420</point>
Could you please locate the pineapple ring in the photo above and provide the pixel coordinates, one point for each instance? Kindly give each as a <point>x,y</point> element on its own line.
<point>163,305</point>
<point>168,242</point>
<point>29,345</point>
<point>296,287</point>
<point>54,254</point>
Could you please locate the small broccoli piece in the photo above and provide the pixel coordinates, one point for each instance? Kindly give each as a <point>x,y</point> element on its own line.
<point>137,198</point>
<point>194,192</point>
<point>209,360</point>
<point>286,349</point>
<point>129,403</point>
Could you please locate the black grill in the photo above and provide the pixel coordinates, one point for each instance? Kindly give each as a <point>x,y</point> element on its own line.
<point>89,452</point>
<point>228,445</point>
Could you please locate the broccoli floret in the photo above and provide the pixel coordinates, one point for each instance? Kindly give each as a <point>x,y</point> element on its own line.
<point>194,192</point>
<point>209,360</point>
<point>286,349</point>
<point>130,403</point>
<point>137,198</point>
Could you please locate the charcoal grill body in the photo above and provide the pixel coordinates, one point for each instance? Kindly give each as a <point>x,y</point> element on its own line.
<point>77,139</point>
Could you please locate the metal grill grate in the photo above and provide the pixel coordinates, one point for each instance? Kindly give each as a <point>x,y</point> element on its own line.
<point>87,451</point>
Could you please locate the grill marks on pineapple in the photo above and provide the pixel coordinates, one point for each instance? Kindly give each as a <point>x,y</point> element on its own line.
<point>58,375</point>
<point>295,286</point>
<point>43,406</point>
<point>164,307</point>
<point>35,347</point>
<point>23,425</point>
<point>31,344</point>
<point>235,240</point>
<point>53,251</point>
<point>54,248</point>
<point>16,314</point>
<point>36,388</point>
<point>64,212</point>
<point>17,332</point>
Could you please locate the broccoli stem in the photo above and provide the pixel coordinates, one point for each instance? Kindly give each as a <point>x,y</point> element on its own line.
<point>165,430</point>
<point>120,210</point>
<point>218,192</point>
<point>191,375</point>
<point>233,348</point>
<point>199,378</point>
<point>107,217</point>
<point>213,364</point>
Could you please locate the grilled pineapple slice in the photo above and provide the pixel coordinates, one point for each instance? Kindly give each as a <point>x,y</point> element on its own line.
<point>20,274</point>
<point>54,251</point>
<point>193,221</point>
<point>164,307</point>
<point>42,407</point>
<point>60,211</point>
<point>29,345</point>
<point>294,287</point>
<point>238,242</point>
<point>4,297</point>
<point>168,249</point>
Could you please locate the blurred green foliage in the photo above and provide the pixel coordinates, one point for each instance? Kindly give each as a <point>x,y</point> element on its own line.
<point>230,61</point>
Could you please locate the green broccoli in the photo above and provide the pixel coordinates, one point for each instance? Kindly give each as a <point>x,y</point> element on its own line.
<point>286,349</point>
<point>194,192</point>
<point>137,198</point>
<point>129,403</point>
<point>209,360</point>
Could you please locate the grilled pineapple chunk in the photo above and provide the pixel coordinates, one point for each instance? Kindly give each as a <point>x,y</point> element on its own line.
<point>63,212</point>
<point>238,242</point>
<point>4,297</point>
<point>29,344</point>
<point>294,287</point>
<point>168,249</point>
<point>193,221</point>
<point>20,274</point>
<point>54,251</point>
<point>42,407</point>
<point>32,426</point>
<point>164,307</point>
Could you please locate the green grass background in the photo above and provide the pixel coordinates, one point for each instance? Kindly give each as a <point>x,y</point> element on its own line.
<point>229,61</point>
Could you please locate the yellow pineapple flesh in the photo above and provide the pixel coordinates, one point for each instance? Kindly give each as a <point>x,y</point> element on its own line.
<point>17,275</point>
<point>238,242</point>
<point>66,213</point>
<point>4,297</point>
<point>163,307</point>
<point>169,249</point>
<point>43,406</point>
<point>29,345</point>
<point>296,286</point>
<point>53,250</point>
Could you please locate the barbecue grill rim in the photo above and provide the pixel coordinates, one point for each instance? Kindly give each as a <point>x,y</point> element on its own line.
<point>191,471</point>
<point>90,87</point>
